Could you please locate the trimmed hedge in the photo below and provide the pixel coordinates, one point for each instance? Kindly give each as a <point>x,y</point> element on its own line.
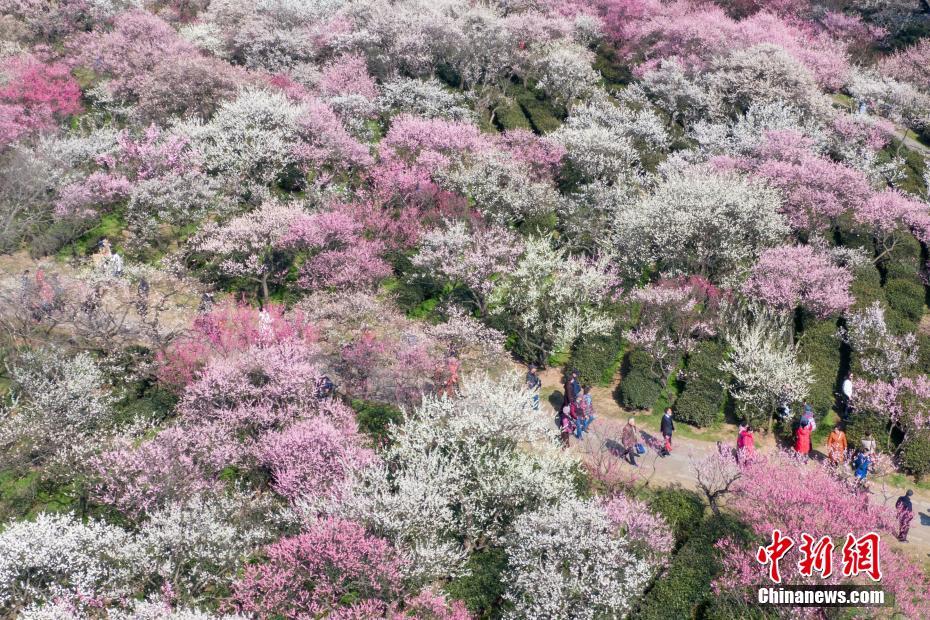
<point>905,298</point>
<point>860,423</point>
<point>596,358</point>
<point>511,116</point>
<point>923,353</point>
<point>684,589</point>
<point>541,114</point>
<point>867,287</point>
<point>915,454</point>
<point>701,403</point>
<point>640,387</point>
<point>821,348</point>
<point>682,509</point>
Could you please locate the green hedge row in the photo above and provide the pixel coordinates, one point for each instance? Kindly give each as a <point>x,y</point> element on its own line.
<point>701,403</point>
<point>597,358</point>
<point>915,454</point>
<point>821,349</point>
<point>641,386</point>
<point>684,590</point>
<point>683,510</point>
<point>374,418</point>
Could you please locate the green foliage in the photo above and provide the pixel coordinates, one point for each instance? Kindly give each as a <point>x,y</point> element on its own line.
<point>481,589</point>
<point>511,116</point>
<point>866,287</point>
<point>640,387</point>
<point>596,358</point>
<point>821,348</point>
<point>110,227</point>
<point>684,589</point>
<point>915,453</point>
<point>905,298</point>
<point>374,418</point>
<point>682,509</point>
<point>542,114</point>
<point>860,423</point>
<point>701,403</point>
<point>923,353</point>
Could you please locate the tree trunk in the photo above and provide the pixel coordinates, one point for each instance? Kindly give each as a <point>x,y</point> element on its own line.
<point>265,295</point>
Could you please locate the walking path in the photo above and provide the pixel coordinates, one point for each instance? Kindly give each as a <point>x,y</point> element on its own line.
<point>676,469</point>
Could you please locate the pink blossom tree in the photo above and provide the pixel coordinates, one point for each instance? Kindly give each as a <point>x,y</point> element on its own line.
<point>903,401</point>
<point>789,277</point>
<point>780,492</point>
<point>890,213</point>
<point>311,574</point>
<point>335,252</point>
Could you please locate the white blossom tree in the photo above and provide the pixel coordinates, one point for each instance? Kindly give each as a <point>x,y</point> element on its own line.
<point>473,257</point>
<point>880,354</point>
<point>455,476</point>
<point>569,560</point>
<point>551,298</point>
<point>764,365</point>
<point>699,223</point>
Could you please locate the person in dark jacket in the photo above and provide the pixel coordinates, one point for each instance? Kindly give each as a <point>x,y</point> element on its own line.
<point>905,514</point>
<point>533,385</point>
<point>667,427</point>
<point>629,437</point>
<point>571,389</point>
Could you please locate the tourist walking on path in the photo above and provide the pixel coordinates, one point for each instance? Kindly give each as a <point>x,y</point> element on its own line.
<point>861,466</point>
<point>566,425</point>
<point>847,395</point>
<point>667,427</point>
<point>534,385</point>
<point>868,443</point>
<point>905,514</point>
<point>836,446</point>
<point>802,438</point>
<point>628,439</point>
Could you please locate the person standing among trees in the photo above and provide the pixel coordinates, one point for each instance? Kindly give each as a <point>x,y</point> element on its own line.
<point>667,427</point>
<point>571,389</point>
<point>847,395</point>
<point>745,444</point>
<point>868,443</point>
<point>802,438</point>
<point>836,446</point>
<point>905,511</point>
<point>628,440</point>
<point>534,385</point>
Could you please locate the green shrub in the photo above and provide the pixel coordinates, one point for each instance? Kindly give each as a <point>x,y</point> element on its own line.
<point>923,353</point>
<point>860,423</point>
<point>906,298</point>
<point>685,587</point>
<point>481,589</point>
<point>541,114</point>
<point>682,509</point>
<point>821,349</point>
<point>915,454</point>
<point>867,287</point>
<point>374,418</point>
<point>596,358</point>
<point>511,116</point>
<point>641,386</point>
<point>701,403</point>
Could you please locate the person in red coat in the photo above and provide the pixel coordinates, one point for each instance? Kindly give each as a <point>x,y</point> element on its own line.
<point>802,438</point>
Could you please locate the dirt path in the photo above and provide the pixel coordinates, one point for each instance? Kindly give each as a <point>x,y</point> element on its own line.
<point>676,469</point>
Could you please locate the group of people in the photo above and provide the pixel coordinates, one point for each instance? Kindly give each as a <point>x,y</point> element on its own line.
<point>577,412</point>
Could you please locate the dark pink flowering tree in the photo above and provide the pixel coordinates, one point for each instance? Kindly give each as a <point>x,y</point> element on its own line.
<point>789,277</point>
<point>34,97</point>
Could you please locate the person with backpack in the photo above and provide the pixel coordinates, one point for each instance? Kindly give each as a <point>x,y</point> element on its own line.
<point>629,440</point>
<point>667,427</point>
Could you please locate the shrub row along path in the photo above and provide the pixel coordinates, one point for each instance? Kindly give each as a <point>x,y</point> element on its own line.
<point>676,469</point>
